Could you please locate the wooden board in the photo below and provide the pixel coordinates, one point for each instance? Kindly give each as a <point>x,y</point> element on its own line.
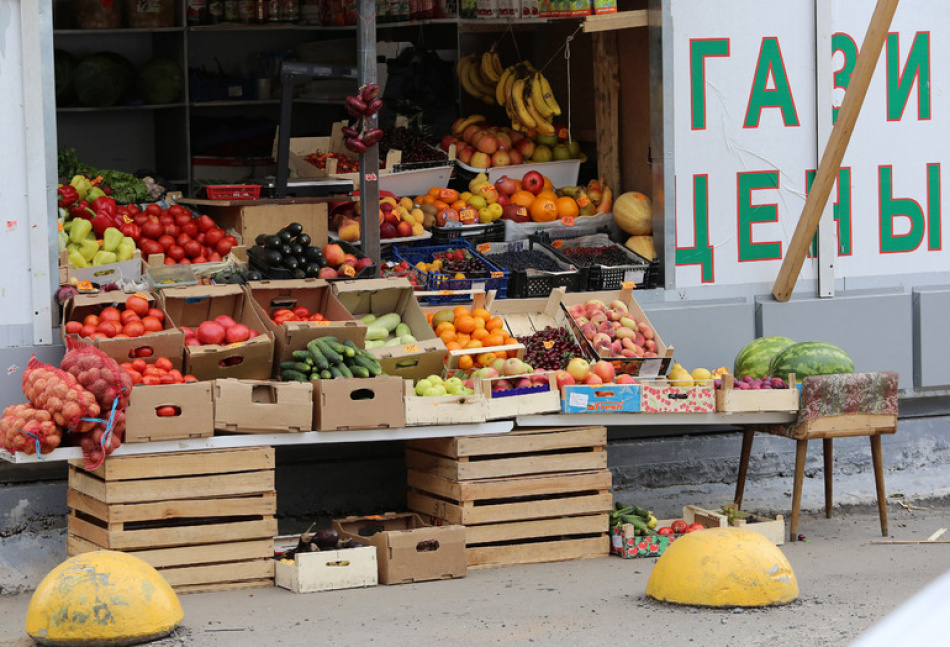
<point>537,528</point>
<point>519,441</point>
<point>115,515</point>
<point>228,572</point>
<point>188,487</point>
<point>537,552</point>
<point>541,508</point>
<point>217,461</point>
<point>225,586</point>
<point>185,555</point>
<point>465,469</point>
<point>771,529</point>
<point>516,487</point>
<point>208,533</point>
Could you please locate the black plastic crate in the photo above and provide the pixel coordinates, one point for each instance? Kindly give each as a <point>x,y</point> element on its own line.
<point>493,278</point>
<point>474,234</point>
<point>604,277</point>
<point>530,283</point>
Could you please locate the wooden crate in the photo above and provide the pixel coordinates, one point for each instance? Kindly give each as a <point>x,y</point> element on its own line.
<point>530,496</point>
<point>771,529</point>
<point>204,520</point>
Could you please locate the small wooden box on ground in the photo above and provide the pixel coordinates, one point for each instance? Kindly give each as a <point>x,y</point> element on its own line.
<point>204,519</point>
<point>731,399</point>
<point>325,570</point>
<point>407,548</point>
<point>771,529</point>
<point>529,496</point>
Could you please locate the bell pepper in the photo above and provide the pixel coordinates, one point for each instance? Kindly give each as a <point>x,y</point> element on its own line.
<point>76,260</point>
<point>88,247</point>
<point>81,209</point>
<point>103,257</point>
<point>82,185</point>
<point>67,195</point>
<point>125,250</point>
<point>131,230</point>
<point>79,230</point>
<point>104,204</point>
<point>111,238</point>
<point>102,222</point>
<point>94,194</point>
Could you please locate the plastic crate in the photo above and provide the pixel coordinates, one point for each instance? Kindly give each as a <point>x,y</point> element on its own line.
<point>528,283</point>
<point>494,278</point>
<point>603,277</point>
<point>170,276</point>
<point>233,191</point>
<point>474,234</point>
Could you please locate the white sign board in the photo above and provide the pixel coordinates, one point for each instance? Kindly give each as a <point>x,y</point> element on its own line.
<point>746,139</point>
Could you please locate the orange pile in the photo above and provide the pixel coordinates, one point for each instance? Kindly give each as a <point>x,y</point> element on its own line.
<point>472,329</point>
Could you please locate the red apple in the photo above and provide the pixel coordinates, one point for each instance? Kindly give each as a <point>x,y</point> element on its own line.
<point>334,255</point>
<point>500,158</point>
<point>447,141</point>
<point>404,229</point>
<point>563,379</point>
<point>487,144</point>
<point>387,230</point>
<point>505,185</point>
<point>604,370</point>
<point>515,157</point>
<point>363,263</point>
<point>327,273</point>
<point>470,131</point>
<point>515,213</point>
<point>525,146</point>
<point>464,153</point>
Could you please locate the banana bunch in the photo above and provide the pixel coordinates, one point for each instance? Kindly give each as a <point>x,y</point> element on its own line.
<point>526,96</point>
<point>479,74</point>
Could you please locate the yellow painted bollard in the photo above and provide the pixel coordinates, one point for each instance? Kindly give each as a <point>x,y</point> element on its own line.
<point>102,598</point>
<point>723,567</point>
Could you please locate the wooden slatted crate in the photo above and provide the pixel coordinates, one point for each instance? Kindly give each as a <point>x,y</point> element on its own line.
<point>204,519</point>
<point>529,496</point>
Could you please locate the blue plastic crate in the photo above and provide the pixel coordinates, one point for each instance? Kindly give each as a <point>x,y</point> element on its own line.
<point>494,278</point>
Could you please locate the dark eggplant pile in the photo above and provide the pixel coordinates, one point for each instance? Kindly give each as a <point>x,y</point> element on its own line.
<point>286,254</point>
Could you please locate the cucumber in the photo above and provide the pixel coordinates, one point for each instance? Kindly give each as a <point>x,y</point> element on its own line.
<point>289,375</point>
<point>407,339</point>
<point>376,332</point>
<point>369,363</point>
<point>331,355</point>
<point>301,355</point>
<point>358,371</point>
<point>343,351</point>
<point>402,330</point>
<point>368,319</point>
<point>638,523</point>
<point>300,367</point>
<point>326,375</point>
<point>374,343</point>
<point>389,321</point>
<point>316,353</point>
<point>335,371</point>
<point>392,343</point>
<point>349,343</point>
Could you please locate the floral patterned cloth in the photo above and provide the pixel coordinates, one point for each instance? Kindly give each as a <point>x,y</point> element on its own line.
<point>841,395</point>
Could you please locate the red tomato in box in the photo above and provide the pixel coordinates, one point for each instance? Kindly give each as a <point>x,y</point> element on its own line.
<point>302,312</point>
<point>693,527</point>
<point>316,316</point>
<point>679,526</point>
<point>665,530</point>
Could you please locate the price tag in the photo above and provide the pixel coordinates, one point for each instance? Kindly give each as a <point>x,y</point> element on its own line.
<point>633,275</point>
<point>411,348</point>
<point>578,400</point>
<point>628,285</point>
<point>348,270</point>
<point>484,248</point>
<point>487,189</point>
<point>320,323</point>
<point>567,221</point>
<point>98,178</point>
<point>497,275</point>
<point>370,177</point>
<point>548,345</point>
<point>446,293</point>
<point>100,241</point>
<point>59,225</point>
<point>557,244</point>
<point>583,201</point>
<point>85,286</point>
<point>127,219</point>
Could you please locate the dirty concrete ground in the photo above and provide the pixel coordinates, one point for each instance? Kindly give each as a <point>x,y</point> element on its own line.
<point>847,584</point>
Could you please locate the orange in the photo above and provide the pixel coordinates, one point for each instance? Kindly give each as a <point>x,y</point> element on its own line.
<point>463,339</point>
<point>501,354</point>
<point>418,199</point>
<point>442,327</point>
<point>485,359</point>
<point>479,323</point>
<point>465,323</point>
<point>473,344</point>
<point>548,195</point>
<point>466,362</point>
<point>434,192</point>
<point>429,316</point>
<point>543,210</point>
<point>521,198</point>
<point>448,335</point>
<point>518,184</point>
<point>481,313</point>
<point>480,334</point>
<point>494,340</point>
<point>567,207</point>
<point>441,206</point>
<point>461,311</point>
<point>458,205</point>
<point>448,195</point>
<point>453,345</point>
<point>548,185</point>
<point>428,199</point>
<point>495,323</point>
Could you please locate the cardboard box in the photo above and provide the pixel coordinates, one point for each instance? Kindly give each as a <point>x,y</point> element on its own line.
<point>189,306</point>
<point>607,398</point>
<point>130,270</point>
<point>169,342</point>
<point>192,400</point>
<point>255,406</point>
<point>327,570</point>
<point>354,403</point>
<point>519,402</point>
<point>660,396</point>
<point>771,529</point>
<point>407,548</point>
<point>317,296</point>
<point>729,398</point>
<point>301,147</point>
<point>413,361</point>
<point>443,410</point>
<point>252,217</point>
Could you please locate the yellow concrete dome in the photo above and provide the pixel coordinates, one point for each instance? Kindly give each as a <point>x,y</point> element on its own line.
<point>723,567</point>
<point>102,598</point>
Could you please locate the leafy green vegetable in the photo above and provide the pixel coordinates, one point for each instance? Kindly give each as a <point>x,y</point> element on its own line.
<point>126,188</point>
<point>69,165</point>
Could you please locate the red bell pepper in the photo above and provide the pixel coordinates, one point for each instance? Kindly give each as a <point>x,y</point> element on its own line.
<point>81,210</point>
<point>67,195</point>
<point>131,230</point>
<point>104,205</point>
<point>102,222</point>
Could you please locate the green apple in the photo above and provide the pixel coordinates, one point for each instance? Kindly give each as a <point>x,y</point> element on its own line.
<point>456,389</point>
<point>574,147</point>
<point>542,154</point>
<point>422,386</point>
<point>435,380</point>
<point>453,381</point>
<point>562,152</point>
<point>547,140</point>
<point>435,391</point>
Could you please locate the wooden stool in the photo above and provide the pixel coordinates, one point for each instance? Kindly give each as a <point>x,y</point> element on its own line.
<point>834,406</point>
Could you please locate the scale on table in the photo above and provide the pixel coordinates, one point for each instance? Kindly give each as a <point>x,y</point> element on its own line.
<point>293,73</point>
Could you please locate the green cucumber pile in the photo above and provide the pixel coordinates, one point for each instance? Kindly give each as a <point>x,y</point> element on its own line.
<point>326,358</point>
<point>642,520</point>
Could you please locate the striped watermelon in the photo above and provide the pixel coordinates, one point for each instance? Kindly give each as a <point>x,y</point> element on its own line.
<point>808,358</point>
<point>754,358</point>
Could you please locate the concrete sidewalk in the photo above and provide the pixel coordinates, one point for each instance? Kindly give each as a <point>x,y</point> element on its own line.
<point>847,584</point>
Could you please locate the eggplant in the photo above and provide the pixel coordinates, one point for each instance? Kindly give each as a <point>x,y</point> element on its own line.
<point>303,240</point>
<point>261,239</point>
<point>286,250</point>
<point>285,236</point>
<point>299,273</point>
<point>273,242</point>
<point>312,270</point>
<point>296,249</point>
<point>313,255</point>
<point>290,263</point>
<point>352,543</point>
<point>254,275</point>
<point>269,257</point>
<point>294,229</point>
<point>326,538</point>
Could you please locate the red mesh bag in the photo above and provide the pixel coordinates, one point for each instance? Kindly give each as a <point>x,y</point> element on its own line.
<point>103,440</point>
<point>97,373</point>
<point>71,406</point>
<point>28,430</point>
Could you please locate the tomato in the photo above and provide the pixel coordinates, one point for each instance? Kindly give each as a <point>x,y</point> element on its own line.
<point>163,363</point>
<point>110,314</point>
<point>175,373</point>
<point>153,210</point>
<point>213,236</point>
<point>134,329</point>
<point>679,526</point>
<point>91,320</point>
<point>189,378</point>
<point>665,530</point>
<point>139,365</point>
<point>73,327</point>
<point>127,316</point>
<point>316,316</point>
<point>136,377</point>
<point>152,324</point>
<point>155,312</point>
<point>302,312</point>
<point>110,328</point>
<point>151,380</point>
<point>168,379</point>
<point>693,527</point>
<point>144,351</point>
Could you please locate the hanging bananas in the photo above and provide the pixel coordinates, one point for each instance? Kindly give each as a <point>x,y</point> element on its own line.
<point>526,95</point>
<point>479,75</point>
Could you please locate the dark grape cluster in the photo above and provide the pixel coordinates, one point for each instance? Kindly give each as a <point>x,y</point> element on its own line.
<point>748,383</point>
<point>460,262</point>
<point>611,255</point>
<point>413,148</point>
<point>524,260</point>
<point>550,349</point>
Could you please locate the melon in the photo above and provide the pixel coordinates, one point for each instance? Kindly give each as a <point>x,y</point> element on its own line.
<point>103,79</point>
<point>64,66</point>
<point>756,356</point>
<point>633,213</point>
<point>808,358</point>
<point>159,81</point>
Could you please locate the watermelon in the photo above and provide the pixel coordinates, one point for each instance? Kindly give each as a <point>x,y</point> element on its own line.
<point>103,79</point>
<point>754,358</point>
<point>808,358</point>
<point>64,66</point>
<point>160,81</point>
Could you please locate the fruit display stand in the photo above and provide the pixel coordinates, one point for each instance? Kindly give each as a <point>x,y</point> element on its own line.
<point>486,277</point>
<point>205,520</point>
<point>534,270</point>
<point>529,496</point>
<point>615,266</point>
<point>728,398</point>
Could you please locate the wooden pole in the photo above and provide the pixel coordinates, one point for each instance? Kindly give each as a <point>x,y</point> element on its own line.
<point>607,107</point>
<point>835,150</point>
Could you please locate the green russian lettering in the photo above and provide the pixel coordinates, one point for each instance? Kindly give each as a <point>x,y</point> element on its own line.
<point>701,253</point>
<point>699,50</point>
<point>843,43</point>
<point>890,208</point>
<point>770,65</point>
<point>749,214</point>
<point>841,211</point>
<point>900,82</point>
